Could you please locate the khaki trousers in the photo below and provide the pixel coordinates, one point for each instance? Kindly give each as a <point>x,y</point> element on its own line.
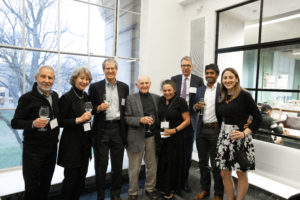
<point>135,162</point>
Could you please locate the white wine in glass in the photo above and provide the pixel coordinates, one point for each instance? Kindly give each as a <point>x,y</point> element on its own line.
<point>44,114</point>
<point>88,107</point>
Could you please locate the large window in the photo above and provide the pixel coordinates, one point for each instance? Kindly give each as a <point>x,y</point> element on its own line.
<point>261,39</point>
<point>64,34</point>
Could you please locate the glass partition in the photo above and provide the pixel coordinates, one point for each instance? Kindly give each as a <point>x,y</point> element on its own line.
<point>281,20</point>
<point>265,50</point>
<point>244,62</point>
<point>234,26</point>
<point>280,68</point>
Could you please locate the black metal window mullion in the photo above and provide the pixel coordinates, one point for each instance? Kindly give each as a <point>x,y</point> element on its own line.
<point>259,49</point>
<point>258,46</point>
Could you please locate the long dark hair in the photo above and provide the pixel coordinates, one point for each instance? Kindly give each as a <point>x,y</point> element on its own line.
<point>237,87</point>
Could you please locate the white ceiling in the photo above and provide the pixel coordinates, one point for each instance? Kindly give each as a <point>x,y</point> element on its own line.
<point>272,8</point>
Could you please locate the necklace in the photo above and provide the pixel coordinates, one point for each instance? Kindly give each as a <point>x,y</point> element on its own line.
<point>229,99</point>
<point>79,97</point>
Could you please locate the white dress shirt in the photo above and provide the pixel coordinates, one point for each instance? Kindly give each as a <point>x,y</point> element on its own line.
<point>209,115</point>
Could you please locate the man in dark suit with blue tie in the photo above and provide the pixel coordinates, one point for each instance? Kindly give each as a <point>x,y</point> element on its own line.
<point>207,132</point>
<point>187,84</point>
<point>108,98</point>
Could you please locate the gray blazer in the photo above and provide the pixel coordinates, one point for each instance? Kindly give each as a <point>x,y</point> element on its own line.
<point>133,113</point>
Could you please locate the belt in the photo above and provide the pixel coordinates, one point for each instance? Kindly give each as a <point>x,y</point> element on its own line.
<point>211,125</point>
<point>114,121</point>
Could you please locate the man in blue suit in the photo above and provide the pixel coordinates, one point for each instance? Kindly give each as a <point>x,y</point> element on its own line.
<point>187,84</point>
<point>207,132</point>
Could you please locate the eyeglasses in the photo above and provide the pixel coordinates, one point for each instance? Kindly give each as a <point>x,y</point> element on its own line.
<point>110,69</point>
<point>186,66</point>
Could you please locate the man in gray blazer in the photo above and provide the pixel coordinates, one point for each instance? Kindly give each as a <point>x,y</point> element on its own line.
<point>141,116</point>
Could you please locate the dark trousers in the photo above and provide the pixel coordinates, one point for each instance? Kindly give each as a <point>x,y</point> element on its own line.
<point>38,168</point>
<point>74,180</point>
<point>188,149</point>
<point>109,141</point>
<point>206,146</point>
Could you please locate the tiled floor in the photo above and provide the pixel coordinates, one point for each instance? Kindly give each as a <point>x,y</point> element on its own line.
<point>253,193</point>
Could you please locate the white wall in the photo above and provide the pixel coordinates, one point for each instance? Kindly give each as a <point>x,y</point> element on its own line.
<point>165,35</point>
<point>162,40</point>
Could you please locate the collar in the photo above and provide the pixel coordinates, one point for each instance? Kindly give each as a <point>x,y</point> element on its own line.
<point>188,77</point>
<point>108,83</point>
<point>214,85</point>
<point>77,90</point>
<point>40,91</point>
<point>144,94</point>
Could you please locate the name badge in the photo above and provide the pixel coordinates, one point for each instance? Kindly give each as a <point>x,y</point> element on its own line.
<point>164,124</point>
<point>193,90</point>
<point>53,123</point>
<point>87,126</point>
<point>123,102</point>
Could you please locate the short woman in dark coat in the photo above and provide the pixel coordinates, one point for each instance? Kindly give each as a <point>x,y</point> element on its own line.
<point>75,143</point>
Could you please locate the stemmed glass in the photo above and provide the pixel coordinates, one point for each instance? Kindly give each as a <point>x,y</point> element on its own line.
<point>201,111</point>
<point>149,125</point>
<point>44,114</point>
<point>88,107</point>
<point>106,98</point>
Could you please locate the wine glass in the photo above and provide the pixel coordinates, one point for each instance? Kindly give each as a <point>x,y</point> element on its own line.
<point>201,111</point>
<point>149,125</point>
<point>88,107</point>
<point>106,98</point>
<point>44,114</point>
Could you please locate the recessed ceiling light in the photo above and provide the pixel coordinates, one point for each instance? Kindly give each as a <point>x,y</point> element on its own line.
<point>273,21</point>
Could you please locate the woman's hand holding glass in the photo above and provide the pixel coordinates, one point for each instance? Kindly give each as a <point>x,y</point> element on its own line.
<point>84,117</point>
<point>88,107</point>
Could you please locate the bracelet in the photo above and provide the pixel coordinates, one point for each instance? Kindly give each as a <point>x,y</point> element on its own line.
<point>176,130</point>
<point>244,134</point>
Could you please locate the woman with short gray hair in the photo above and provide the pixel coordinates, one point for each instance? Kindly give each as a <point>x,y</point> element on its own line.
<point>75,143</point>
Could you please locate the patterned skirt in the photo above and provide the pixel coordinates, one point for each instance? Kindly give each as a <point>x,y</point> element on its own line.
<point>226,147</point>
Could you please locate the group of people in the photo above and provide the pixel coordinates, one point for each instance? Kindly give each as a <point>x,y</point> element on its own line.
<point>160,130</point>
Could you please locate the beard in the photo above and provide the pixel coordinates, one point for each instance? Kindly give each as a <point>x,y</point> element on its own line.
<point>43,87</point>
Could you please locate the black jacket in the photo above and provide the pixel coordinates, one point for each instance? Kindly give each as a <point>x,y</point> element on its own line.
<point>74,140</point>
<point>96,92</point>
<point>196,82</point>
<point>28,110</point>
